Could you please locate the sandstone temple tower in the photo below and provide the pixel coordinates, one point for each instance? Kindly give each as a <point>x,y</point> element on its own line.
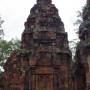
<point>43,61</point>
<point>82,72</point>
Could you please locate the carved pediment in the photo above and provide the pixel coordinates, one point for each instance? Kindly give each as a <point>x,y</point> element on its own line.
<point>45,59</point>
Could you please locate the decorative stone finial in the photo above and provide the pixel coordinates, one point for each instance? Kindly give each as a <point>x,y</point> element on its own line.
<point>44,1</point>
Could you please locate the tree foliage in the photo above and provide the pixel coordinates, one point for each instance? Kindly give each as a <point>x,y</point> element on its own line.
<point>6,47</point>
<point>1,30</point>
<point>73,45</point>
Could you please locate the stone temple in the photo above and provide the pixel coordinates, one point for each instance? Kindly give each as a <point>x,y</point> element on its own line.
<point>44,60</point>
<point>82,65</point>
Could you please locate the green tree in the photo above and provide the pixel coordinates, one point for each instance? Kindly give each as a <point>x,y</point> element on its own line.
<point>6,47</point>
<point>1,30</point>
<point>73,45</point>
